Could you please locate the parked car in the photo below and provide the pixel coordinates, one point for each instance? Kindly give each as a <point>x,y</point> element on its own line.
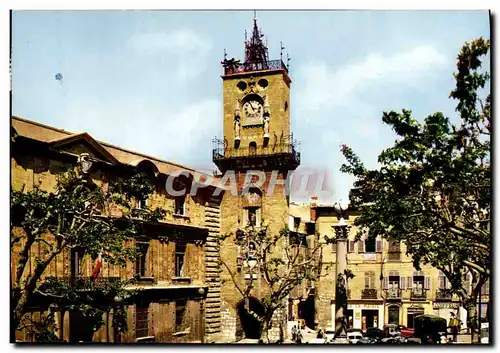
<point>366,340</point>
<point>405,331</point>
<point>374,333</point>
<point>391,330</point>
<point>354,336</point>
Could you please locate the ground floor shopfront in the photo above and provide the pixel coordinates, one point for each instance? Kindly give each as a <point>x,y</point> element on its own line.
<point>363,315</point>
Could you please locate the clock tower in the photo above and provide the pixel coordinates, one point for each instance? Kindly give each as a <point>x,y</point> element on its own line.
<point>257,137</point>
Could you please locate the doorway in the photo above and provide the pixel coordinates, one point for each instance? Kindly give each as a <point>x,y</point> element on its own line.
<point>410,317</point>
<point>350,318</point>
<point>394,315</point>
<point>250,325</point>
<point>369,318</point>
<point>80,328</point>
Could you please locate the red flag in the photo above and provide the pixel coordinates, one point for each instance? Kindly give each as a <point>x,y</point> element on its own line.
<point>97,266</point>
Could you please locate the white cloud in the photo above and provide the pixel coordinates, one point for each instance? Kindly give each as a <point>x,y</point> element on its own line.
<point>188,47</point>
<point>325,86</point>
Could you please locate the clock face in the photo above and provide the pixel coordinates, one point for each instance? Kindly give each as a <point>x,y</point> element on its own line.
<point>252,109</point>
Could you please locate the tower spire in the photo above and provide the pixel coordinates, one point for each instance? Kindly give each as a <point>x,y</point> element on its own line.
<point>256,53</point>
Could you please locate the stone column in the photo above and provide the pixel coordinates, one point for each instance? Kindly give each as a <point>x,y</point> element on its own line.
<point>341,231</point>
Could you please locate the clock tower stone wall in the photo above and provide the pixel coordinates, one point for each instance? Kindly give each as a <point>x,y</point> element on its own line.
<point>257,137</point>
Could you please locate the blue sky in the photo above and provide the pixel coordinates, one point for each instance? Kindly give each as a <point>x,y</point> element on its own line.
<point>150,80</point>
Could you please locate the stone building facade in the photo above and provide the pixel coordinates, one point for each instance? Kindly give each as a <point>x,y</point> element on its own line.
<point>386,289</point>
<point>179,297</point>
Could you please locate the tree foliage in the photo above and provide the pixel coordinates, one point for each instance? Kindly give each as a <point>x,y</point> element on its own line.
<point>433,187</point>
<point>284,261</point>
<point>96,220</point>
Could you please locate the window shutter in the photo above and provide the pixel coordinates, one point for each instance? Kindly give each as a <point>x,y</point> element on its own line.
<point>485,289</point>
<point>361,246</point>
<point>367,279</point>
<point>258,217</point>
<point>378,246</point>
<point>351,246</point>
<point>441,282</point>
<point>245,217</point>
<point>385,283</point>
<point>409,282</point>
<point>427,283</point>
<point>447,283</point>
<point>402,282</point>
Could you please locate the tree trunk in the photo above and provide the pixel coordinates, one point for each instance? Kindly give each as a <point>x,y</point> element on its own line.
<point>22,301</point>
<point>470,306</point>
<point>266,325</point>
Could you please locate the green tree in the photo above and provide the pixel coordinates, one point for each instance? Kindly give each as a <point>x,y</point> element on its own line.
<point>99,221</point>
<point>284,261</point>
<point>432,190</point>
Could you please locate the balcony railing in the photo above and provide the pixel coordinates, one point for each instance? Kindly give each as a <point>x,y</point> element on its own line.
<point>258,66</point>
<point>221,152</point>
<point>443,295</point>
<point>89,283</point>
<point>369,293</point>
<point>418,294</point>
<point>393,294</point>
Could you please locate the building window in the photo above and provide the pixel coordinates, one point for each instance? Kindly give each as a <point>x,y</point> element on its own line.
<point>370,243</point>
<point>417,286</point>
<point>180,252</point>
<point>394,251</point>
<point>141,320</point>
<point>76,262</point>
<point>485,288</point>
<point>252,147</point>
<point>143,203</point>
<point>180,315</point>
<point>252,216</point>
<point>180,205</point>
<point>370,280</point>
<point>351,246</point>
<point>141,248</point>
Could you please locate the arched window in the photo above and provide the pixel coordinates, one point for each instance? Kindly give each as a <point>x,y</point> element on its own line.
<point>252,147</point>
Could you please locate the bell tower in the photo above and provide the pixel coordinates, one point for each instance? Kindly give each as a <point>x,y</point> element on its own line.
<point>257,137</point>
<point>256,95</point>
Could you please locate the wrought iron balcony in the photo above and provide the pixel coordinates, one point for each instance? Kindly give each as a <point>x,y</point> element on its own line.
<point>393,294</point>
<point>418,294</point>
<point>237,68</point>
<point>285,154</point>
<point>369,293</point>
<point>443,295</point>
<point>89,283</point>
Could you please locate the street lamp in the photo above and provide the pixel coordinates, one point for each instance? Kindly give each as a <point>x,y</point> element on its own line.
<point>341,230</point>
<point>252,262</point>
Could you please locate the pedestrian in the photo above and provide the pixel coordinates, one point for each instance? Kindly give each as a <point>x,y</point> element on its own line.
<point>320,334</point>
<point>294,333</point>
<point>299,337</point>
<point>454,326</point>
